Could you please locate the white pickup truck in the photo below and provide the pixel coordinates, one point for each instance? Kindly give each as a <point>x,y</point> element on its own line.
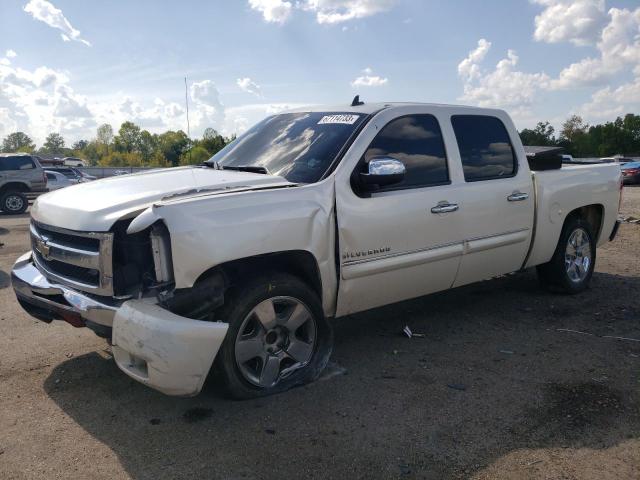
<point>311,214</point>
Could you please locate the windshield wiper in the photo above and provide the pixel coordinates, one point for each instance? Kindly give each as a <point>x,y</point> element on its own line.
<point>247,168</point>
<point>238,168</point>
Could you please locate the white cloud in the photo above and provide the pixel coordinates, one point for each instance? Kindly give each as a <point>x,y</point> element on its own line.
<point>608,103</point>
<point>619,49</point>
<point>10,54</point>
<point>369,80</point>
<point>577,21</point>
<point>41,101</point>
<point>249,86</point>
<point>469,68</point>
<point>208,110</point>
<point>337,11</point>
<point>274,11</point>
<point>504,86</point>
<point>46,12</point>
<point>326,11</point>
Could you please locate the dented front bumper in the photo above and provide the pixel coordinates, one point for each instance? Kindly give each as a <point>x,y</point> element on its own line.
<point>167,352</point>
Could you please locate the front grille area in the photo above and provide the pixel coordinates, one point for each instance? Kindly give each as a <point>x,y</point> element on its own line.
<point>81,260</point>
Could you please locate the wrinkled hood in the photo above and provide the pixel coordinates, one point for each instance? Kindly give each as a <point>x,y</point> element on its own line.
<point>95,206</point>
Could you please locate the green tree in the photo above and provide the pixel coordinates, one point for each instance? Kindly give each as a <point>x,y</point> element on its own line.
<point>172,145</point>
<point>18,142</point>
<point>195,156</point>
<point>54,143</point>
<point>104,136</point>
<point>573,127</point>
<point>128,138</point>
<point>80,145</point>
<point>212,141</point>
<point>541,135</point>
<point>148,144</point>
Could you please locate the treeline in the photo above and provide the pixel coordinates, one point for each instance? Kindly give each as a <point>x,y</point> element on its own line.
<point>131,146</point>
<point>620,137</point>
<point>134,147</point>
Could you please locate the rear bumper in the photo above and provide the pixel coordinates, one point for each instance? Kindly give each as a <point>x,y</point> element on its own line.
<point>167,352</point>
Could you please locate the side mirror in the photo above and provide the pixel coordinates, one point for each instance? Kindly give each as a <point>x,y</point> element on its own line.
<point>382,171</point>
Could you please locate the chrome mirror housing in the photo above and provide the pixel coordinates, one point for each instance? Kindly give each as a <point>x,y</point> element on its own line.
<point>382,171</point>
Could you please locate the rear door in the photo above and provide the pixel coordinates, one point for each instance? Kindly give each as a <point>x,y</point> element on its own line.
<point>392,246</point>
<point>497,197</point>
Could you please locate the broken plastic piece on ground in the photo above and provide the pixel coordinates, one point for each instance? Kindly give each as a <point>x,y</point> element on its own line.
<point>407,331</point>
<point>457,386</point>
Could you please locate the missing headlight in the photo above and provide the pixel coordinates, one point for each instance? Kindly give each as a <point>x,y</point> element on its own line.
<point>161,250</point>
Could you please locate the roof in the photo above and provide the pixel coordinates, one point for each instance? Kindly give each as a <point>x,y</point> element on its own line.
<point>369,108</point>
<point>16,154</point>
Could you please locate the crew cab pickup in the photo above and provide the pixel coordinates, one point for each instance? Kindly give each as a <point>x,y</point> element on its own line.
<point>311,214</point>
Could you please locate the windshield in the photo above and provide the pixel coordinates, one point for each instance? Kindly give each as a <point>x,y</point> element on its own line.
<point>297,146</point>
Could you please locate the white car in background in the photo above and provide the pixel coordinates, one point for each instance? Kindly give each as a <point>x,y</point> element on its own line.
<point>56,180</point>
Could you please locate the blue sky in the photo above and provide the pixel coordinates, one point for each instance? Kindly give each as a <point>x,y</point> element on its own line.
<point>126,60</point>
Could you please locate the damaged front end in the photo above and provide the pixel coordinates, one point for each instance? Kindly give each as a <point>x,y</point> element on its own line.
<point>120,284</point>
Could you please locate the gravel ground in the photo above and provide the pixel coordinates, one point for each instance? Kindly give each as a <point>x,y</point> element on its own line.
<point>493,390</point>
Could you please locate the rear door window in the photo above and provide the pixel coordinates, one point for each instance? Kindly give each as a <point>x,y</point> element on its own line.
<point>18,162</point>
<point>485,147</point>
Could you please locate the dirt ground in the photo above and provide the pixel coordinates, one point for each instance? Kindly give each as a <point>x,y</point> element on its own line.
<point>495,389</point>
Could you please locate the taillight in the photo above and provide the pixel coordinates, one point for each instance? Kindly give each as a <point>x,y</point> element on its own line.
<point>44,178</point>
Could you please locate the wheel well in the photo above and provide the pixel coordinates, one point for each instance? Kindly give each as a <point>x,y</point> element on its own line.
<point>300,263</point>
<point>592,214</point>
<point>13,187</point>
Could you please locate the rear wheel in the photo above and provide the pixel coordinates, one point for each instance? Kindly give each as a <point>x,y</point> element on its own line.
<point>278,337</point>
<point>13,203</point>
<point>571,267</point>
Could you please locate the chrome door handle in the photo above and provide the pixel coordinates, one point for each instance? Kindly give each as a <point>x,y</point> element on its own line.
<point>445,208</point>
<point>517,197</point>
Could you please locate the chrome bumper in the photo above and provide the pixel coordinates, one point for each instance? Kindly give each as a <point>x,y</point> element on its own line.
<point>167,352</point>
<point>51,301</point>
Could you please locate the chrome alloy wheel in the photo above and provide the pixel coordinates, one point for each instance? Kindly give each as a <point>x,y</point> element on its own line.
<point>276,338</point>
<point>577,256</point>
<point>14,203</point>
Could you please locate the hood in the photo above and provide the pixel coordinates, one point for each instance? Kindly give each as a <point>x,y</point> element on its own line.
<point>95,206</point>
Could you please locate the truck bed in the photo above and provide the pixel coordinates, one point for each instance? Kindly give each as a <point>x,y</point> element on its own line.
<point>558,192</point>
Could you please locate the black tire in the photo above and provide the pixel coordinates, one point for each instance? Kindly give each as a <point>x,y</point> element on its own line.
<point>555,275</point>
<point>239,304</point>
<point>13,203</point>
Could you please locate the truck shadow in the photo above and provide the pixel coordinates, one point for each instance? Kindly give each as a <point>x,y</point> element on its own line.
<point>493,374</point>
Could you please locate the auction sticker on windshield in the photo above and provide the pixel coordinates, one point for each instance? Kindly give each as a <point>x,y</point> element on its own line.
<point>343,119</point>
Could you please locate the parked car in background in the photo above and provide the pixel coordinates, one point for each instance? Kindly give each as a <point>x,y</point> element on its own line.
<point>313,213</point>
<point>631,173</point>
<point>56,180</point>
<point>73,173</point>
<point>620,160</point>
<point>21,178</point>
<point>120,172</point>
<point>74,162</point>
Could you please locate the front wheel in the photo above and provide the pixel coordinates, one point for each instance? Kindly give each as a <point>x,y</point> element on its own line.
<point>278,337</point>
<point>571,267</point>
<point>13,203</point>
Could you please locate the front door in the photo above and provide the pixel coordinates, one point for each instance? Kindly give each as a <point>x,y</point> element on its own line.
<point>399,242</point>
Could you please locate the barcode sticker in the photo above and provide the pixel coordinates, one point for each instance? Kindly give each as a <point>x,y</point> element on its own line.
<point>340,119</point>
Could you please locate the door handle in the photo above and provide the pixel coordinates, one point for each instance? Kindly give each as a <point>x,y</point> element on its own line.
<point>445,207</point>
<point>518,197</point>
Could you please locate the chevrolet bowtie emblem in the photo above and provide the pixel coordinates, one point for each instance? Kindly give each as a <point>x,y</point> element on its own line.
<point>43,248</point>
